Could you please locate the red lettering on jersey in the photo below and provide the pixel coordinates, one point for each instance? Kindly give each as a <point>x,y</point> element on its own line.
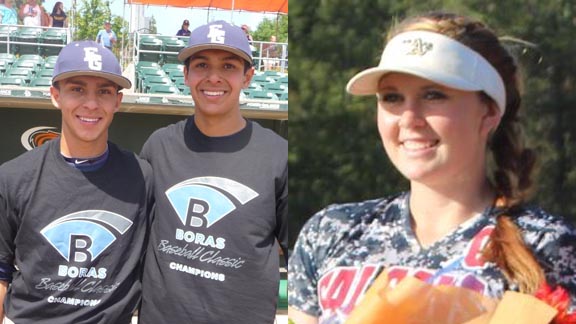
<point>473,259</point>
<point>396,274</point>
<point>340,288</point>
<point>445,280</point>
<point>423,274</point>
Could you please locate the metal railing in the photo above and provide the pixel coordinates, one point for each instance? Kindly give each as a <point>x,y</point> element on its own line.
<point>10,38</point>
<point>266,55</point>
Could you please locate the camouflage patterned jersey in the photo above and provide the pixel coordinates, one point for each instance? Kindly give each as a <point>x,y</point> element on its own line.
<point>343,248</point>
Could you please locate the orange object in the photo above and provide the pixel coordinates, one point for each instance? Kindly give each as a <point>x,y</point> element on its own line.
<point>276,6</point>
<point>413,301</point>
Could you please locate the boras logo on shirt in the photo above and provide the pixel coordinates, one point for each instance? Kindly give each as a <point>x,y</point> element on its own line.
<point>201,202</point>
<point>81,237</point>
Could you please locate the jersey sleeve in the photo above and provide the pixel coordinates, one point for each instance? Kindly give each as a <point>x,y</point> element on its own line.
<point>8,228</point>
<point>302,269</point>
<point>556,251</point>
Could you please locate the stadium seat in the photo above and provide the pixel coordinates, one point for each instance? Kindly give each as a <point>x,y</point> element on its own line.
<point>23,73</point>
<point>150,44</point>
<point>45,72</point>
<point>272,74</point>
<point>275,86</point>
<point>263,94</point>
<point>283,80</point>
<point>144,73</point>
<point>175,74</point>
<point>185,91</point>
<point>182,87</point>
<point>6,60</point>
<point>50,39</point>
<point>26,64</point>
<point>5,33</point>
<point>51,59</point>
<point>261,79</point>
<point>169,67</point>
<point>147,65</point>
<point>173,45</point>
<point>30,36</point>
<point>16,81</point>
<point>41,82</point>
<point>283,96</point>
<point>179,81</point>
<point>31,57</point>
<point>153,80</point>
<point>254,86</point>
<point>162,88</point>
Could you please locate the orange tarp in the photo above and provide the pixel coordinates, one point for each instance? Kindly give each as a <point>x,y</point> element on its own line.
<point>276,6</point>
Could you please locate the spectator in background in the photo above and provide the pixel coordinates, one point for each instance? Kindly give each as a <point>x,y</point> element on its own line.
<point>31,13</point>
<point>246,30</point>
<point>58,16</point>
<point>184,31</point>
<point>106,37</point>
<point>8,15</point>
<point>270,52</point>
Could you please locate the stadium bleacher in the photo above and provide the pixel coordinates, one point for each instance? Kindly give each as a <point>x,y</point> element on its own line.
<point>28,55</point>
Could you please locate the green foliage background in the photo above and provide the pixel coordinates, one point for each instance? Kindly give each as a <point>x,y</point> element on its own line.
<point>269,27</point>
<point>335,154</point>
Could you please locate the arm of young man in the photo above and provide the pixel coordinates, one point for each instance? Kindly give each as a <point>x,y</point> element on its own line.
<point>281,231</point>
<point>3,289</point>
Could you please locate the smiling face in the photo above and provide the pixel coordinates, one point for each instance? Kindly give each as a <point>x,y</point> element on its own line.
<point>432,133</point>
<point>88,104</point>
<point>215,78</point>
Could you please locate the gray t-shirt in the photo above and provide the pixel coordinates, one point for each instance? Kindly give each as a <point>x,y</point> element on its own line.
<point>76,238</point>
<point>220,209</point>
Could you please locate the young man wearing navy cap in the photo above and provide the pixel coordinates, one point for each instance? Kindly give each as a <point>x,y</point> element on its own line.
<point>73,212</point>
<point>221,197</point>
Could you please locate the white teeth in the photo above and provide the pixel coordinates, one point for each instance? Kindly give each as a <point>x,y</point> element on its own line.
<point>213,93</point>
<point>88,120</point>
<point>417,145</point>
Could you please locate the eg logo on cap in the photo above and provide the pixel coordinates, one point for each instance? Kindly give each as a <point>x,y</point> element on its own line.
<point>216,34</point>
<point>93,58</point>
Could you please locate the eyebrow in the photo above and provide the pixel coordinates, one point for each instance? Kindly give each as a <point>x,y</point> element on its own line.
<point>104,84</point>
<point>231,57</point>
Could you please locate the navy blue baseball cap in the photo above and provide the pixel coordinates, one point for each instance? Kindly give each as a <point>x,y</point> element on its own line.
<point>218,35</point>
<point>88,58</point>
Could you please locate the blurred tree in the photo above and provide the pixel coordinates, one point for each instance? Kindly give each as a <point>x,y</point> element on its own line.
<point>335,154</point>
<point>91,17</point>
<point>269,27</point>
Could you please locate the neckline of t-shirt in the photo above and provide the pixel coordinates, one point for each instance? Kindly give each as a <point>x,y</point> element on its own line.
<point>67,169</point>
<point>474,221</point>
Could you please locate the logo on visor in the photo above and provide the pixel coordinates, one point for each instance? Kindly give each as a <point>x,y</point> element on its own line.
<point>216,34</point>
<point>418,47</point>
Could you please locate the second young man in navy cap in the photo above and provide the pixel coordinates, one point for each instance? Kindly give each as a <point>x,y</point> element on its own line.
<point>73,212</point>
<point>221,191</point>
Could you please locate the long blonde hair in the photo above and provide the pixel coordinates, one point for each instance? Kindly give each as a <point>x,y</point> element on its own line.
<point>513,162</point>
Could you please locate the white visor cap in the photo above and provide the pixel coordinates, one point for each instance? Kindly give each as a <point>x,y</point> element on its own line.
<point>433,57</point>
